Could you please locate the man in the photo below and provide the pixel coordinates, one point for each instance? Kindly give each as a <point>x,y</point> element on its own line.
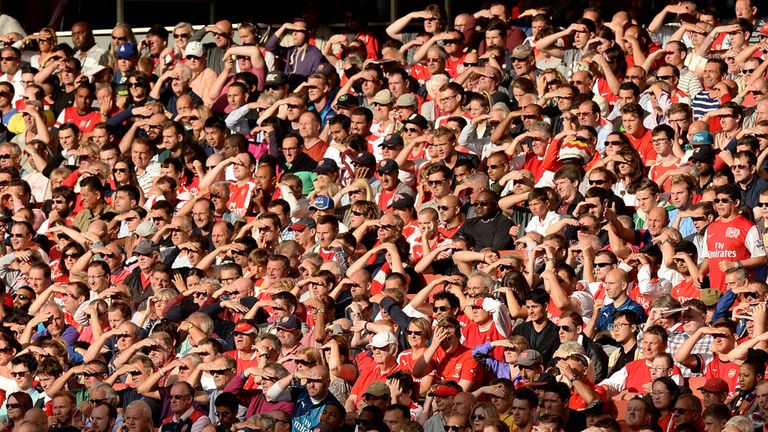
<point>616,283</point>
<point>745,169</point>
<point>490,227</point>
<point>453,43</point>
<point>687,411</point>
<point>450,101</point>
<point>9,65</point>
<point>709,98</point>
<point>716,363</point>
<point>640,137</point>
<point>302,59</point>
<point>318,90</point>
<point>448,358</point>
<point>541,333</point>
<point>379,366</point>
<point>87,51</point>
<point>583,30</point>
<point>311,397</point>
<point>693,318</point>
<point>64,410</point>
<point>242,189</point>
<point>103,418</point>
<point>82,114</point>
<point>309,129</point>
<point>172,85</point>
<point>524,405</point>
<point>633,378</point>
<point>390,184</point>
<point>732,241</point>
<point>94,205</point>
<point>675,55</point>
<point>222,40</point>
<point>140,279</point>
<point>185,416</point>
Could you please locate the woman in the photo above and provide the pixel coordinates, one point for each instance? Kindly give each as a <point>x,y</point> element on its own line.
<point>69,255</point>
<point>138,89</point>
<point>149,317</point>
<point>182,33</point>
<point>8,349</point>
<point>664,395</point>
<point>482,414</point>
<point>512,349</point>
<point>744,403</point>
<point>194,122</point>
<point>46,41</point>
<point>477,134</point>
<point>610,67</point>
<point>121,34</point>
<point>357,191</point>
<point>17,405</point>
<point>419,332</point>
<point>124,174</point>
<point>628,167</point>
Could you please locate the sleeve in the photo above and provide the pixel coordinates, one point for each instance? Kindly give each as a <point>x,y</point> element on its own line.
<point>198,35</point>
<point>647,287</point>
<point>754,243</point>
<point>60,118</point>
<point>550,157</point>
<point>724,305</point>
<point>500,314</point>
<point>615,383</point>
<point>470,370</point>
<point>234,118</point>
<point>273,46</point>
<point>585,301</point>
<point>395,312</point>
<point>481,354</point>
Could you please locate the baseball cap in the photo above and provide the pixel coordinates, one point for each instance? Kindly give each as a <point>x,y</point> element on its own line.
<point>145,247</point>
<point>710,296</point>
<point>365,159</point>
<point>715,385</point>
<point>127,50</point>
<point>289,323</point>
<point>322,202</point>
<point>490,71</point>
<point>377,389</point>
<point>346,101</point>
<point>274,78</point>
<point>529,358</point>
<point>326,166</point>
<point>403,202</point>
<point>245,328</point>
<point>522,53</point>
<point>418,120</point>
<point>392,140</point>
<point>381,340</point>
<point>194,49</point>
<point>443,390</point>
<point>387,166</point>
<point>702,138</point>
<point>703,154</point>
<point>302,224</point>
<point>407,100</point>
<point>384,97</point>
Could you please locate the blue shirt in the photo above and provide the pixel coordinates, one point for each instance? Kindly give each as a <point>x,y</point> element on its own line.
<point>608,311</point>
<point>306,415</point>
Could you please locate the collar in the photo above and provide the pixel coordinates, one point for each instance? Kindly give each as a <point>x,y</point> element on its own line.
<point>184,416</point>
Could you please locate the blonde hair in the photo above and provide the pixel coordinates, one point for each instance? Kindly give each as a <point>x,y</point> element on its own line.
<point>362,184</point>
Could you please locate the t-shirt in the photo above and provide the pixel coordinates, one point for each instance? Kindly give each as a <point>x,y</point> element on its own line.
<point>240,197</point>
<point>733,241</point>
<point>714,367</point>
<point>460,365</point>
<point>86,122</point>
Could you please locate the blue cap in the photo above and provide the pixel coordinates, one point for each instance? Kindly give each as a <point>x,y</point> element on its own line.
<point>127,50</point>
<point>702,138</point>
<point>322,202</point>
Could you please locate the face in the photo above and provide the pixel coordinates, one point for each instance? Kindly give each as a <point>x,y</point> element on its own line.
<point>552,404</point>
<point>568,332</point>
<point>181,399</point>
<point>652,345</point>
<point>535,311</point>
<point>725,206</point>
<point>661,396</point>
<point>485,205</point>
<point>63,410</point>
<point>522,412</point>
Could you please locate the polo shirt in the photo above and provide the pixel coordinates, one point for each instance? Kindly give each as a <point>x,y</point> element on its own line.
<point>606,313</point>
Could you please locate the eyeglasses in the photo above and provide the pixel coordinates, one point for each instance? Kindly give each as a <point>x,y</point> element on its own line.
<point>22,297</point>
<point>443,208</point>
<point>191,57</point>
<point>357,213</point>
<point>440,309</point>
<point>219,371</point>
<point>179,397</point>
<point>119,38</point>
<point>741,167</point>
<point>6,156</point>
<point>19,374</point>
<point>665,77</point>
<point>597,182</point>
<point>119,170</point>
<point>493,167</point>
<point>617,326</point>
<point>435,182</point>
<point>721,200</point>
<point>181,35</point>
<point>13,406</point>
<point>485,203</point>
<point>449,428</point>
<point>412,130</point>
<point>469,64</point>
<point>478,417</point>
<point>414,332</point>
<point>70,255</point>
<point>566,328</point>
<point>16,235</point>
<point>9,58</point>
<point>293,106</point>
<point>680,411</point>
<point>98,401</point>
<point>387,227</point>
<point>750,295</point>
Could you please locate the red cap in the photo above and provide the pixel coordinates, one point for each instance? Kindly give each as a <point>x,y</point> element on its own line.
<point>245,328</point>
<point>443,390</point>
<point>715,385</point>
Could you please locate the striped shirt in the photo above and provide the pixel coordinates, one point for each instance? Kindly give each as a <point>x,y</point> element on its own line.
<point>702,104</point>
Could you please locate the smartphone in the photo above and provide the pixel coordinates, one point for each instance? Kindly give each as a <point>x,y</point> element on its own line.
<point>168,59</point>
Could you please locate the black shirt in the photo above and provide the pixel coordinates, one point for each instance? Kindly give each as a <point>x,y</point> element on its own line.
<point>490,232</point>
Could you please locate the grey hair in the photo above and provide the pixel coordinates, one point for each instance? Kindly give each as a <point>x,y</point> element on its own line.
<point>487,279</point>
<point>109,393</point>
<point>211,281</point>
<point>185,71</point>
<point>542,126</point>
<point>741,422</point>
<point>267,421</point>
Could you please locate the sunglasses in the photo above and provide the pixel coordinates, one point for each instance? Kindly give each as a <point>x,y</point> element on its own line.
<point>414,332</point>
<point>597,182</point>
<point>566,328</point>
<point>604,264</point>
<point>440,309</point>
<point>119,170</point>
<point>19,374</point>
<point>219,371</point>
<point>181,35</point>
<point>721,200</point>
<point>453,428</point>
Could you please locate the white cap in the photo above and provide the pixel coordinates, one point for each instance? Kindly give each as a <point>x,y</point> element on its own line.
<point>381,340</point>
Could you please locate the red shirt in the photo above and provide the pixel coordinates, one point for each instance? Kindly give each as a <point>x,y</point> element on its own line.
<point>240,197</point>
<point>369,372</point>
<point>86,122</point>
<point>726,370</point>
<point>685,290</point>
<point>643,146</point>
<point>733,241</point>
<point>473,336</point>
<point>460,365</point>
<point>317,151</point>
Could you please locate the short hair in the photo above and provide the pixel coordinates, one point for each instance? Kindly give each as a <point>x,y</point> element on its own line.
<point>719,411</point>
<point>659,331</point>
<point>539,296</point>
